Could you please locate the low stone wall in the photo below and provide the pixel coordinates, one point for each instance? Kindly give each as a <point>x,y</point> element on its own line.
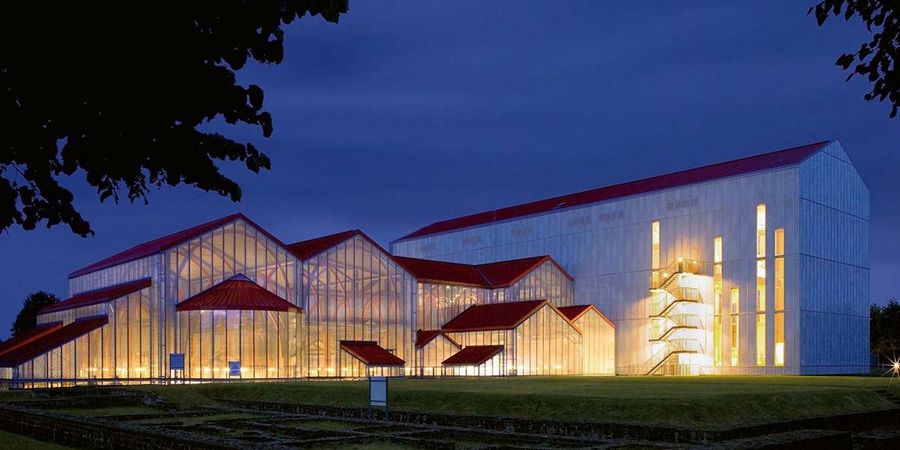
<point>585,429</point>
<point>88,433</point>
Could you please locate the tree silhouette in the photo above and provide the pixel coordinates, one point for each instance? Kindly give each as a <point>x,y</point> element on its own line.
<point>27,318</point>
<point>884,330</point>
<point>116,93</point>
<point>876,59</point>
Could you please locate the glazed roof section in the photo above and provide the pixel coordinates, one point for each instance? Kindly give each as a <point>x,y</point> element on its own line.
<point>97,296</point>
<point>766,161</point>
<point>163,243</point>
<point>237,293</point>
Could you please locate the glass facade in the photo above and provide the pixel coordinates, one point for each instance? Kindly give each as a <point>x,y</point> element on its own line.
<point>355,291</point>
<point>779,297</point>
<point>599,344</point>
<point>717,301</point>
<point>544,344</point>
<point>735,326</point>
<point>761,285</point>
<point>433,353</point>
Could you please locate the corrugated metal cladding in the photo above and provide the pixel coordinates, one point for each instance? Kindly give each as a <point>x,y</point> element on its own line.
<point>820,202</point>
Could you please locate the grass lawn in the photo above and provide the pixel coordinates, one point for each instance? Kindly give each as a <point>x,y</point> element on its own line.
<point>701,402</point>
<point>19,442</point>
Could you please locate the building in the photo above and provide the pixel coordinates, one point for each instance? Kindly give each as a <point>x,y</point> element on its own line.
<point>753,266</point>
<point>226,300</point>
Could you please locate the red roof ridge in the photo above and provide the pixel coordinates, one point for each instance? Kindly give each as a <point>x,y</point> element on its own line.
<point>165,242</point>
<point>96,296</point>
<point>574,312</point>
<point>724,169</point>
<point>473,355</point>
<point>493,275</point>
<point>493,316</point>
<point>423,337</point>
<point>26,337</point>
<point>54,339</point>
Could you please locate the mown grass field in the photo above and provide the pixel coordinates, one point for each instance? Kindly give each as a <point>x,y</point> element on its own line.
<point>695,402</point>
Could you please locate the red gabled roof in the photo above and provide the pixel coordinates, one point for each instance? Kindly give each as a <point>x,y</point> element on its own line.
<point>159,244</point>
<point>492,275</point>
<point>423,337</point>
<point>237,293</point>
<point>473,355</point>
<point>96,296</point>
<point>444,272</point>
<point>28,336</point>
<point>574,312</point>
<point>312,247</point>
<point>781,158</point>
<point>496,316</point>
<point>371,354</point>
<point>50,341</point>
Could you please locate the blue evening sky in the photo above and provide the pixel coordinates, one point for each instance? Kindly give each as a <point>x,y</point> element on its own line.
<point>409,112</point>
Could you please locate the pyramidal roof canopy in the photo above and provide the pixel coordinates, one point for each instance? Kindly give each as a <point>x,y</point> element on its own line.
<point>766,161</point>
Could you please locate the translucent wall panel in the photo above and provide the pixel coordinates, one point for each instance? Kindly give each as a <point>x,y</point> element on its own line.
<point>440,303</point>
<point>543,283</point>
<point>492,367</point>
<point>433,354</point>
<point>258,340</point>
<point>354,291</point>
<point>599,344</point>
<point>544,344</point>
<point>69,315</point>
<point>111,276</point>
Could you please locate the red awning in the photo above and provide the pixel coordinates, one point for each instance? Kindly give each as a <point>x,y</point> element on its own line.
<point>94,297</point>
<point>50,341</point>
<point>236,293</point>
<point>423,337</point>
<point>371,354</point>
<point>473,355</point>
<point>496,316</point>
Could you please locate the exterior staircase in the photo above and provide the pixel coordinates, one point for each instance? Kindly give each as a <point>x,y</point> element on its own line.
<point>677,326</point>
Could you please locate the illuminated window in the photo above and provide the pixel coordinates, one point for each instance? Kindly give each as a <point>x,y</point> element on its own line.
<point>761,231</point>
<point>779,297</point>
<point>761,285</point>
<point>654,252</point>
<point>717,300</point>
<point>735,328</point>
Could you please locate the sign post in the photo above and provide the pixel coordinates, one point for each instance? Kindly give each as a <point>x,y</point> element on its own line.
<point>378,396</point>
<point>234,369</point>
<point>176,364</point>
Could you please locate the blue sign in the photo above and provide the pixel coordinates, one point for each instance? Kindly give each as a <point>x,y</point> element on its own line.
<point>176,361</point>
<point>234,368</point>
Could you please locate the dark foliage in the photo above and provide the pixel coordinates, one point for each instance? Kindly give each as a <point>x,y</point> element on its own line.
<point>884,330</point>
<point>876,59</point>
<point>115,92</point>
<point>27,318</point>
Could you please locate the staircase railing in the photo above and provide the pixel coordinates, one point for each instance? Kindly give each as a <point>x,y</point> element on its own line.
<point>662,277</point>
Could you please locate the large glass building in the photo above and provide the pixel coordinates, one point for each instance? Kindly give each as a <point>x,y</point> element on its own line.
<point>753,266</point>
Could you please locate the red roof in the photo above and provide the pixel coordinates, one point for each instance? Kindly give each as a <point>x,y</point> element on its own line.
<point>96,296</point>
<point>50,341</point>
<point>496,316</point>
<point>168,241</point>
<point>444,272</point>
<point>473,355</point>
<point>371,354</point>
<point>423,337</point>
<point>492,275</point>
<point>781,158</point>
<point>28,336</point>
<point>574,312</point>
<point>312,247</point>
<point>236,293</point>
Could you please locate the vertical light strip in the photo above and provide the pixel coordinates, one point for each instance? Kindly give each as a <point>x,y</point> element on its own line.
<point>761,285</point>
<point>654,253</point>
<point>717,301</point>
<point>735,326</point>
<point>779,297</point>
